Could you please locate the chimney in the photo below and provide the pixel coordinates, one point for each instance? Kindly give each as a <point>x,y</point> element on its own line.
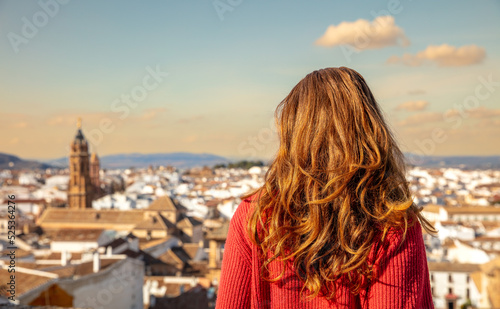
<point>213,254</point>
<point>97,262</point>
<point>109,251</point>
<point>64,258</point>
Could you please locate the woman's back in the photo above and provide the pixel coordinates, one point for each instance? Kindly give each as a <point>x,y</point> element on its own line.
<point>334,225</point>
<point>403,280</point>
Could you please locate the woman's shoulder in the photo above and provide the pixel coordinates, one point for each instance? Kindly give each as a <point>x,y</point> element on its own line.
<point>245,207</point>
<point>398,240</point>
<point>412,230</point>
<point>237,232</point>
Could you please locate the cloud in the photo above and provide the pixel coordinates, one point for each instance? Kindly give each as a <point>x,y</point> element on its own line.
<point>20,125</point>
<point>476,113</point>
<point>19,121</point>
<point>421,118</point>
<point>474,137</point>
<point>443,55</point>
<point>64,119</point>
<point>483,112</point>
<point>363,34</point>
<point>61,120</point>
<point>488,123</point>
<point>412,106</point>
<point>151,113</point>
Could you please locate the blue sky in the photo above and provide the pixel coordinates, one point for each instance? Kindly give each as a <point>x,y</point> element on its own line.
<point>228,70</point>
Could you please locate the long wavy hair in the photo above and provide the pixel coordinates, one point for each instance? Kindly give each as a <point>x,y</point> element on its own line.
<point>336,186</point>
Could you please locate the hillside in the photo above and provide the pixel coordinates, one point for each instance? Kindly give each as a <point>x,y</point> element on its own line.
<point>8,161</point>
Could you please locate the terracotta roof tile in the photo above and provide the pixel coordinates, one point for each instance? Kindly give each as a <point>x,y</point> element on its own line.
<point>74,218</point>
<point>29,281</point>
<point>191,249</point>
<point>453,267</point>
<point>480,210</point>
<point>83,235</point>
<point>163,203</point>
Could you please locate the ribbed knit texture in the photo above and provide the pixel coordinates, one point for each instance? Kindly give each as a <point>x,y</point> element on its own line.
<point>402,275</point>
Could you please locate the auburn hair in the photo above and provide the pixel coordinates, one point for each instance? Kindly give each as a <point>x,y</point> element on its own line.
<point>336,186</point>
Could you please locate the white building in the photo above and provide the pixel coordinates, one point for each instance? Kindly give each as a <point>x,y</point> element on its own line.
<point>108,283</point>
<point>116,201</point>
<point>27,178</point>
<point>448,279</point>
<point>462,214</point>
<point>454,230</point>
<point>463,253</point>
<point>116,287</point>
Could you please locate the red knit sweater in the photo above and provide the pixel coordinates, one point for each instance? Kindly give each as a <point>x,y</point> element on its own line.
<point>403,279</point>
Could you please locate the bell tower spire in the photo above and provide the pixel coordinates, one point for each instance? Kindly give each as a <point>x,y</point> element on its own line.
<point>80,190</point>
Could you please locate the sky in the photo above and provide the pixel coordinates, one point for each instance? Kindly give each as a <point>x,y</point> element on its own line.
<point>206,76</point>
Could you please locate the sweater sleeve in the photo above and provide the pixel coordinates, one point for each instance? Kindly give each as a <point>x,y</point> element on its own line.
<point>235,280</point>
<point>403,274</point>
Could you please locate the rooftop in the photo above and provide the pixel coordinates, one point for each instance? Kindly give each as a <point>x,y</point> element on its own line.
<point>72,235</point>
<point>480,210</point>
<point>453,267</point>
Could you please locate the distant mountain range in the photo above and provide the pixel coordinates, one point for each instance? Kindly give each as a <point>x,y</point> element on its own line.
<point>8,161</point>
<point>469,162</point>
<point>177,159</point>
<point>186,160</point>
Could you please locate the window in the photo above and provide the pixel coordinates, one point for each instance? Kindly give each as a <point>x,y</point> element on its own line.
<point>450,278</point>
<point>468,279</point>
<point>450,290</point>
<point>467,292</point>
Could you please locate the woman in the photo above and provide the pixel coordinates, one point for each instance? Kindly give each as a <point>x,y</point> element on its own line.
<point>334,225</point>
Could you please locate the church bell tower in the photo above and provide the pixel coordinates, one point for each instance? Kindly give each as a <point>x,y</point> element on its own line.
<point>80,191</point>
